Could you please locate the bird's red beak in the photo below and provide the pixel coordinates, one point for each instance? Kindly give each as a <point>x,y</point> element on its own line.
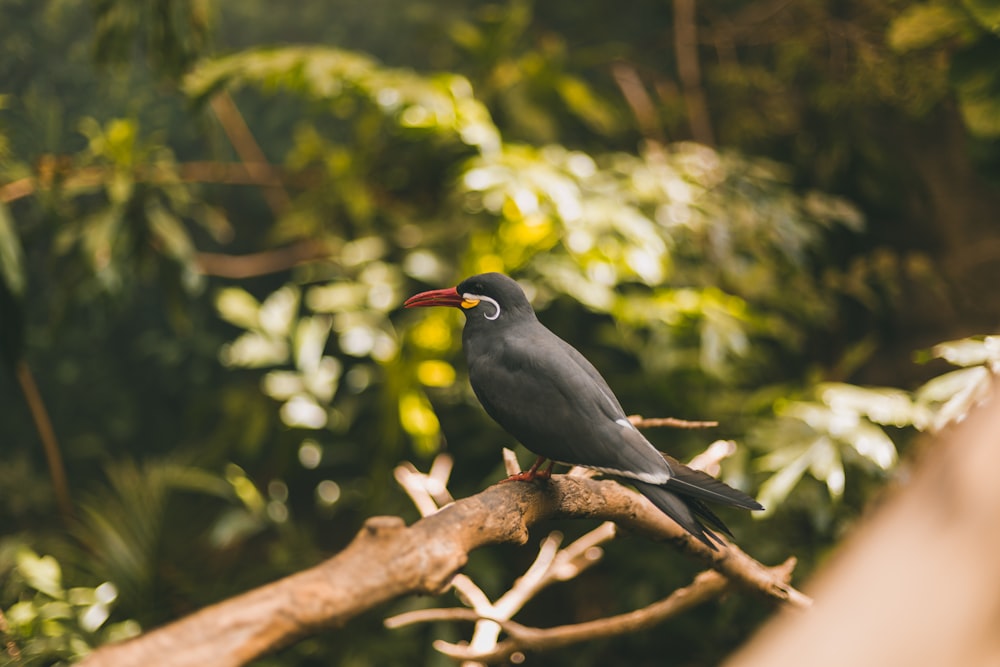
<point>437,297</point>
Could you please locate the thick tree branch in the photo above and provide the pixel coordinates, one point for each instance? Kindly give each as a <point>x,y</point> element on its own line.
<point>917,585</point>
<point>388,559</point>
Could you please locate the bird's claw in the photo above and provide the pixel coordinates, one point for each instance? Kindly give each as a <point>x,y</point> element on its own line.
<point>528,476</point>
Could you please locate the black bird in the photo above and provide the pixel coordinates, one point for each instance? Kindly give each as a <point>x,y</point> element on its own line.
<point>547,395</point>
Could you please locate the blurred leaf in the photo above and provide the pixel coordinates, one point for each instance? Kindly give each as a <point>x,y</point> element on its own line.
<point>926,24</point>
<point>254,350</point>
<point>949,397</point>
<point>418,419</point>
<point>433,373</point>
<point>790,466</point>
<point>977,85</point>
<point>310,339</point>
<point>277,313</point>
<point>13,282</point>
<point>882,405</point>
<point>443,103</point>
<point>170,231</point>
<point>302,411</point>
<point>970,351</point>
<point>582,101</point>
<point>985,12</point>
<point>11,255</point>
<point>41,573</point>
<point>237,306</point>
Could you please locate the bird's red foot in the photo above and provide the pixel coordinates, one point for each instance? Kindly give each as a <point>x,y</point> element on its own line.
<point>532,473</point>
<point>529,476</point>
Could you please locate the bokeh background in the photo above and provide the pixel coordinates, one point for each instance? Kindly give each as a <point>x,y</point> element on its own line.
<point>761,212</point>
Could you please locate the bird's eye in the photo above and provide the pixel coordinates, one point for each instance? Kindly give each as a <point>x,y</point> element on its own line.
<point>471,300</point>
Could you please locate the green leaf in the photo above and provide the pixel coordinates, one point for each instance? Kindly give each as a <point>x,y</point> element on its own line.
<point>985,12</point>
<point>882,405</point>
<point>952,395</point>
<point>41,572</point>
<point>444,103</point>
<point>239,307</point>
<point>977,85</point>
<point>170,231</point>
<point>11,255</point>
<point>776,488</point>
<point>969,351</point>
<point>923,25</point>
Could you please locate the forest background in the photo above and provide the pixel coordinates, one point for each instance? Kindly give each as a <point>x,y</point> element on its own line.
<point>765,213</point>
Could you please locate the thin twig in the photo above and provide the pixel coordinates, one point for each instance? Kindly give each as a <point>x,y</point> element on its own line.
<point>10,645</point>
<point>638,100</point>
<point>47,434</point>
<point>243,142</point>
<point>671,422</point>
<point>707,585</point>
<point>689,71</point>
<point>260,263</point>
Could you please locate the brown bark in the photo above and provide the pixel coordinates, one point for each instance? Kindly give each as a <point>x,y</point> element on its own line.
<point>919,585</point>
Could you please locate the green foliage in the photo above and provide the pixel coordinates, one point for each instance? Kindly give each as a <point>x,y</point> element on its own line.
<point>968,35</point>
<point>220,432</point>
<point>170,33</point>
<point>47,623</point>
<point>413,103</point>
<point>848,421</point>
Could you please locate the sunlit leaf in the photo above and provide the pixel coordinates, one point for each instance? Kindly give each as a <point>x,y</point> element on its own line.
<point>969,351</point>
<point>776,488</point>
<point>418,419</point>
<point>882,405</point>
<point>170,231</point>
<point>237,306</point>
<point>925,24</point>
<point>302,411</point>
<point>971,386</point>
<point>310,340</point>
<point>41,572</point>
<point>11,254</point>
<point>254,350</point>
<point>433,373</point>
<point>277,312</point>
<point>282,385</point>
<point>872,443</point>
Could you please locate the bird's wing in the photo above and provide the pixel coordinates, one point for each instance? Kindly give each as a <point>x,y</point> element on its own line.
<point>548,396</point>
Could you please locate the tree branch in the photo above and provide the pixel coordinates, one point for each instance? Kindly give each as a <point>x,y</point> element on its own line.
<point>225,173</point>
<point>47,434</point>
<point>670,422</point>
<point>249,151</point>
<point>689,71</point>
<point>260,263</point>
<point>707,585</point>
<point>918,584</point>
<point>388,559</point>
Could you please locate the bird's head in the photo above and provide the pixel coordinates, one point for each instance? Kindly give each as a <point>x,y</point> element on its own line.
<point>493,296</point>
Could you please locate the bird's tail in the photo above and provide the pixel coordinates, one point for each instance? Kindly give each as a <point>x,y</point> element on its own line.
<point>683,498</point>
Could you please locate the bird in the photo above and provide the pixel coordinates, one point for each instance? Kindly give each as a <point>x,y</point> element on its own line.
<point>552,400</point>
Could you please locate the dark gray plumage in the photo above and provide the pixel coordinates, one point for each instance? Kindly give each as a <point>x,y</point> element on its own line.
<point>547,395</point>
